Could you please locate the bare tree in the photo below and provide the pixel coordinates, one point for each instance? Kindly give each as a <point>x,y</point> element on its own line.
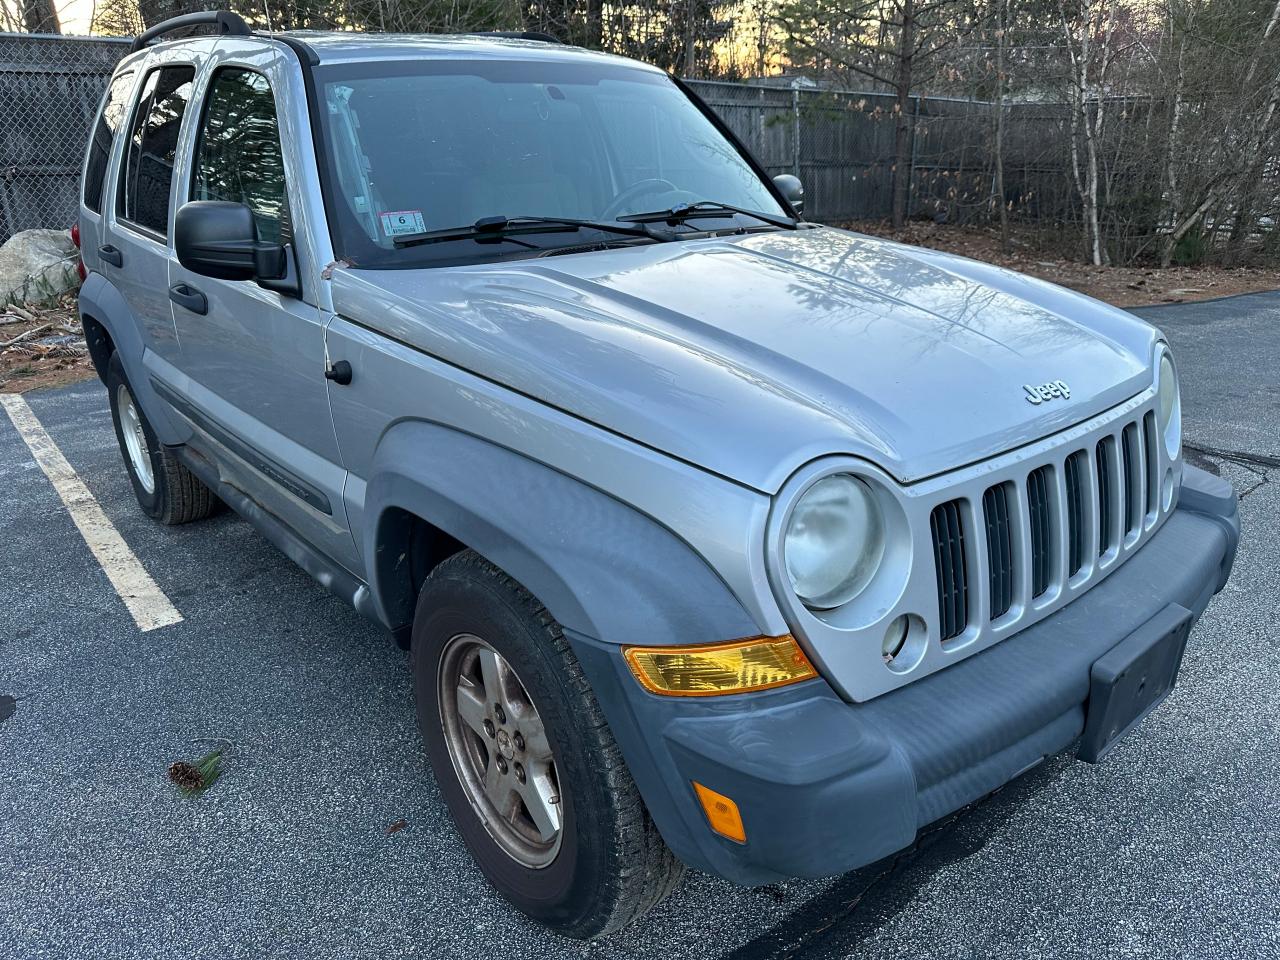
<point>998,108</point>
<point>889,43</point>
<point>1088,28</point>
<point>37,16</point>
<point>1258,141</point>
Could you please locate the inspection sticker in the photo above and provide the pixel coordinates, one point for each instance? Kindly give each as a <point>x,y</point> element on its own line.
<point>400,223</point>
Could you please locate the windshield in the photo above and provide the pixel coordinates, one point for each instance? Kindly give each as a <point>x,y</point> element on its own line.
<point>427,145</point>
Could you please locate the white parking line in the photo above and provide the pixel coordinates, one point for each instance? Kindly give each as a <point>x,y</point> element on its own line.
<point>146,602</point>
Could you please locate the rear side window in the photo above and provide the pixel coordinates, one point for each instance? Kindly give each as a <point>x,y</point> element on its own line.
<point>238,156</point>
<point>143,198</point>
<point>104,134</point>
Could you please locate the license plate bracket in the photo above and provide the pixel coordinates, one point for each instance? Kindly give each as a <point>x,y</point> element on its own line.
<point>1133,678</point>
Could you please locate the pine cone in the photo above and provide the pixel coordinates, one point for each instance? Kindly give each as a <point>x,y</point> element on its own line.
<point>185,776</point>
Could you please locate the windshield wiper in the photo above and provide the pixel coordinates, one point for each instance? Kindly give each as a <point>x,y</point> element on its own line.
<point>704,209</point>
<point>505,228</point>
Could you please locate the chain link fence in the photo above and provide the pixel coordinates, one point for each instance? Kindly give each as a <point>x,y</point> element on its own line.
<point>840,143</point>
<point>50,88</point>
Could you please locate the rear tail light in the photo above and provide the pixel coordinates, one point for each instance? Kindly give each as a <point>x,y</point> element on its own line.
<point>75,238</point>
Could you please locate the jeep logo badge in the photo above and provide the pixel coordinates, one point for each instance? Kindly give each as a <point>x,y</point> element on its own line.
<point>1047,391</point>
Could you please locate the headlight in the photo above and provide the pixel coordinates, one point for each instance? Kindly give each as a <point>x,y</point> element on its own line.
<point>1169,406</point>
<point>834,541</point>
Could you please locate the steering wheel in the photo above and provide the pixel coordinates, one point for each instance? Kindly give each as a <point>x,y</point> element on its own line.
<point>641,188</point>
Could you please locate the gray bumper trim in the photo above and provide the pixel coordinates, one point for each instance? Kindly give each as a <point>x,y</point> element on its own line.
<point>826,786</point>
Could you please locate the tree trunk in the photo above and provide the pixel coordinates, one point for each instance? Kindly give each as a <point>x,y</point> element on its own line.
<point>1171,168</point>
<point>690,40</point>
<point>1001,26</point>
<point>1100,252</point>
<point>39,16</point>
<point>904,131</point>
<point>762,35</point>
<point>1171,242</point>
<point>1087,123</point>
<point>595,24</point>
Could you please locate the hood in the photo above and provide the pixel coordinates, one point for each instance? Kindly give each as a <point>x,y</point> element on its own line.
<point>753,355</point>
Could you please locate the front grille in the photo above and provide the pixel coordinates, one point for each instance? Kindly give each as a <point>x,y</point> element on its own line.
<point>1050,526</point>
<point>946,524</point>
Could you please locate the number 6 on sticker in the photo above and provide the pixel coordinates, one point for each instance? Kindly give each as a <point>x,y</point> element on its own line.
<point>400,223</point>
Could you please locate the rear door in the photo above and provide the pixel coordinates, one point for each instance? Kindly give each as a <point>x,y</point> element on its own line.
<point>133,251</point>
<point>95,191</point>
<point>252,362</point>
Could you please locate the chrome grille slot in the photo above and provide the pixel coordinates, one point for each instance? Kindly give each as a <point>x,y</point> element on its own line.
<point>1074,470</point>
<point>1105,454</point>
<point>1132,474</point>
<point>1150,461</point>
<point>947,526</point>
<point>999,530</point>
<point>1039,513</point>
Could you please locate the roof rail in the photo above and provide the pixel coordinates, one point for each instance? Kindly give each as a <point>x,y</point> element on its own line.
<point>304,52</point>
<point>227,24</point>
<point>518,35</point>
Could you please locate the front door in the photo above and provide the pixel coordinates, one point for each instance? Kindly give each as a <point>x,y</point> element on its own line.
<point>252,359</point>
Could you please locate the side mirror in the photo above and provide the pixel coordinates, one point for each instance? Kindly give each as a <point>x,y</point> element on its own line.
<point>216,238</point>
<point>791,188</point>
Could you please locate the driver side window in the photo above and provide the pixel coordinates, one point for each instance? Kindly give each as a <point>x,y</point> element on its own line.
<point>238,157</point>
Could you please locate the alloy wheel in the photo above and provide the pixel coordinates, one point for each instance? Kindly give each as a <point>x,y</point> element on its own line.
<point>500,750</point>
<point>135,439</point>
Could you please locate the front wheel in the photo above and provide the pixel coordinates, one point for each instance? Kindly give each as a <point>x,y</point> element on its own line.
<point>521,751</point>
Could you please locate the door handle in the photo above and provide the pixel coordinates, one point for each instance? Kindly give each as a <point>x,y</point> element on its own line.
<point>185,295</point>
<point>339,373</point>
<point>111,255</point>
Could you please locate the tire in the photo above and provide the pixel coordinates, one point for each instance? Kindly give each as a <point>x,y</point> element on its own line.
<point>608,865</point>
<point>171,493</point>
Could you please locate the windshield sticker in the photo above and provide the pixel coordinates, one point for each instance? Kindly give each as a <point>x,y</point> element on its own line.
<point>401,223</point>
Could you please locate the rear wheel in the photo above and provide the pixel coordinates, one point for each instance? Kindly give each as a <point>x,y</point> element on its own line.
<point>532,776</point>
<point>166,490</point>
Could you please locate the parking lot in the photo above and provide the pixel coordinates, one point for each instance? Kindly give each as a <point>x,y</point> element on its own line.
<point>1169,848</point>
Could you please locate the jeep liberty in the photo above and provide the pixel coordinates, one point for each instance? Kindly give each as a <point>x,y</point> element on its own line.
<point>719,538</point>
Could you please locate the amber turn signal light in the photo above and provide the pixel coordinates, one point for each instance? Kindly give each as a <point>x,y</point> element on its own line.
<point>722,813</point>
<point>709,670</point>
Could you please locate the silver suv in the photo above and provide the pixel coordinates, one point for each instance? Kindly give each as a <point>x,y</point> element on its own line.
<point>718,538</point>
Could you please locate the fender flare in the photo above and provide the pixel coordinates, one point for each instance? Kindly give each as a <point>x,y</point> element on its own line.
<point>101,301</point>
<point>602,568</point>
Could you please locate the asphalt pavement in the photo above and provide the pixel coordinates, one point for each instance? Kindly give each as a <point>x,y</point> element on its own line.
<point>1169,848</point>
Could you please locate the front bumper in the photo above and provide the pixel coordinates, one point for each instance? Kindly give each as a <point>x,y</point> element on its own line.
<point>825,786</point>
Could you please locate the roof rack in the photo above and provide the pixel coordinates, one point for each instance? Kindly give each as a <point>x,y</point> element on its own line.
<point>226,24</point>
<point>518,35</point>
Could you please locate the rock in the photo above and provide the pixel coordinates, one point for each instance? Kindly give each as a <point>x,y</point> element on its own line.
<point>36,266</point>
